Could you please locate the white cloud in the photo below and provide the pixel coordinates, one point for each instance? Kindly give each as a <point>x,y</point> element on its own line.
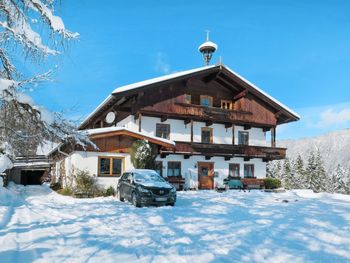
<point>331,117</point>
<point>161,64</point>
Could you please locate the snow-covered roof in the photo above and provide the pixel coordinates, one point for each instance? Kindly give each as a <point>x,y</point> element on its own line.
<point>159,79</point>
<point>116,128</point>
<point>46,147</point>
<point>144,83</point>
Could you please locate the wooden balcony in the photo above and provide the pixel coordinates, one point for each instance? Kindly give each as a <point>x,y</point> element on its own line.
<point>209,114</point>
<point>226,150</point>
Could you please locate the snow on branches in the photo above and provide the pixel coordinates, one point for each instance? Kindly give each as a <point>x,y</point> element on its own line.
<point>295,174</point>
<point>23,124</point>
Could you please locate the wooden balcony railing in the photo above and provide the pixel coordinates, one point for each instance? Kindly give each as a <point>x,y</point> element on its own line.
<point>227,150</point>
<point>214,114</point>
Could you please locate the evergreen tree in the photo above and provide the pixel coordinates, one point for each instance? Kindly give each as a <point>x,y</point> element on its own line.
<point>321,173</point>
<point>299,181</point>
<point>287,180</point>
<point>310,172</point>
<point>143,154</point>
<point>337,181</point>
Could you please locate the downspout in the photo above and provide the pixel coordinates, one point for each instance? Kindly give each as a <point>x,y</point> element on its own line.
<point>59,150</point>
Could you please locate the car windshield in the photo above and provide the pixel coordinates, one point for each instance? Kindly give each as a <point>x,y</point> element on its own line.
<point>147,176</point>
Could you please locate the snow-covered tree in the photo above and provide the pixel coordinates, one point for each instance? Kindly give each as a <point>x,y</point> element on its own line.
<point>338,180</point>
<point>22,123</point>
<point>316,177</point>
<point>143,154</point>
<point>299,180</point>
<point>287,178</point>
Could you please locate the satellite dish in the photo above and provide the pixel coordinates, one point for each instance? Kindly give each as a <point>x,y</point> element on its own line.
<point>110,117</point>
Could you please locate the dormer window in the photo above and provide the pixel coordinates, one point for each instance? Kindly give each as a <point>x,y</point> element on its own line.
<point>206,101</point>
<point>226,104</point>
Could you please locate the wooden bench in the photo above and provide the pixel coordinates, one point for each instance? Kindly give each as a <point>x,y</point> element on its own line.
<point>252,183</point>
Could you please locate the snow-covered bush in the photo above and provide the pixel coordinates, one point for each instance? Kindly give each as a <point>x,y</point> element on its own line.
<point>86,184</point>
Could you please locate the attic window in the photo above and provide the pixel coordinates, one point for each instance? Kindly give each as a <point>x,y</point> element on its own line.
<point>226,104</point>
<point>206,101</point>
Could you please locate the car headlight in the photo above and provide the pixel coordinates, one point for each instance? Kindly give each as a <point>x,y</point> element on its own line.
<point>173,190</point>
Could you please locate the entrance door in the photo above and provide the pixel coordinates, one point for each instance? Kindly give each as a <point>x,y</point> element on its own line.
<point>205,175</point>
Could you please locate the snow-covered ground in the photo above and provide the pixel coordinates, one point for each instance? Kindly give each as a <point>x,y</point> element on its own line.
<point>39,225</point>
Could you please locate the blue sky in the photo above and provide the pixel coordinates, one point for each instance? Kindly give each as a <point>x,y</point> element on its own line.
<point>297,51</point>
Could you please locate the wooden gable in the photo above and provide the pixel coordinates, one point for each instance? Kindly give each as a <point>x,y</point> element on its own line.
<point>167,99</point>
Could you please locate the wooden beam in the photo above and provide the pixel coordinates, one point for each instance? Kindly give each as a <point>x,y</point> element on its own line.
<point>187,156</point>
<point>240,95</point>
<point>226,84</point>
<point>191,130</point>
<point>273,137</point>
<point>210,77</point>
<point>246,159</point>
<point>187,121</point>
<point>208,157</point>
<point>247,127</point>
<point>140,118</point>
<point>266,129</point>
<point>227,158</point>
<point>228,125</point>
<point>163,155</point>
<point>233,134</point>
<point>208,123</point>
<point>163,118</point>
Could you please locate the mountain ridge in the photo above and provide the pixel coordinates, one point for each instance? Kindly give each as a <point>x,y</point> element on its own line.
<point>334,147</point>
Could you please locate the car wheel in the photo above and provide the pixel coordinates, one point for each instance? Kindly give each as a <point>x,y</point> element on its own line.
<point>119,196</point>
<point>134,200</point>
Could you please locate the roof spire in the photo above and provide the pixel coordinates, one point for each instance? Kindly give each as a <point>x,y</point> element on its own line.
<point>207,49</point>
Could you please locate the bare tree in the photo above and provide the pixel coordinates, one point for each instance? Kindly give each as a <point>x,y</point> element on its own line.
<point>22,123</point>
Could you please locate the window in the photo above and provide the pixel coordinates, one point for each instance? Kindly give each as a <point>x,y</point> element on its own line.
<point>207,135</point>
<point>233,170</point>
<point>206,101</point>
<point>163,130</point>
<point>174,168</point>
<point>187,98</point>
<point>243,138</point>
<point>159,168</point>
<point>110,166</point>
<point>226,104</point>
<point>249,170</point>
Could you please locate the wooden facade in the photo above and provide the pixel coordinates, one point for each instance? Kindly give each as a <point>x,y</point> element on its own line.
<point>169,99</point>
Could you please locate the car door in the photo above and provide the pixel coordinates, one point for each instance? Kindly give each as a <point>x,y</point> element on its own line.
<point>122,185</point>
<point>128,186</point>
